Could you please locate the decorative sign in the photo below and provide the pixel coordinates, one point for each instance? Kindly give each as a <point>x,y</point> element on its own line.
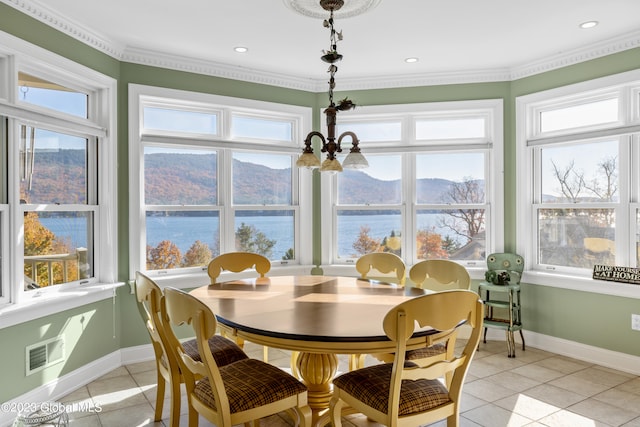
<point>617,274</point>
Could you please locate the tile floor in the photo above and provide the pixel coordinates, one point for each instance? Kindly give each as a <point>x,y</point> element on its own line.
<point>534,389</point>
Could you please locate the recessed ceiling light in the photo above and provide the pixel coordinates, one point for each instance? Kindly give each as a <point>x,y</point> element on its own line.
<point>241,49</point>
<point>588,24</point>
<point>411,60</point>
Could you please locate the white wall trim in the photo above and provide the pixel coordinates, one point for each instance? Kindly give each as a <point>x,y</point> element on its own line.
<point>80,377</point>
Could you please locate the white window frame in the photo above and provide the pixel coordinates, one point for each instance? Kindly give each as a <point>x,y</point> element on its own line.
<point>408,148</point>
<point>19,306</point>
<point>225,143</point>
<point>626,86</point>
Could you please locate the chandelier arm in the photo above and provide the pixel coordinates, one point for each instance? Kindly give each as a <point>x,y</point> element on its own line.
<point>354,141</point>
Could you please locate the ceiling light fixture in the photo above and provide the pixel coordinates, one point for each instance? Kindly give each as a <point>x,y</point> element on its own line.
<point>588,24</point>
<point>241,49</point>
<point>411,60</point>
<point>355,159</point>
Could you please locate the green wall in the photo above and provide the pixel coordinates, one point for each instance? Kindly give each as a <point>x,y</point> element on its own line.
<point>98,329</point>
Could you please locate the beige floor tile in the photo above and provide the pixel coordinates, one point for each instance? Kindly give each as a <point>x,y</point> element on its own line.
<point>579,384</point>
<point>603,412</point>
<point>139,415</point>
<point>621,399</point>
<point>513,381</point>
<point>149,365</point>
<point>632,386</point>
<point>566,418</point>
<point>563,364</point>
<point>116,393</point>
<point>494,416</point>
<point>486,390</point>
<point>526,406</point>
<point>538,373</point>
<point>554,395</point>
<point>633,423</point>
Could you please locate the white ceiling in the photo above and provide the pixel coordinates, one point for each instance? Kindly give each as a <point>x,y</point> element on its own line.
<point>455,40</point>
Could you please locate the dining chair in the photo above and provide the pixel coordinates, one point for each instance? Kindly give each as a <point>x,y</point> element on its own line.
<point>386,263</point>
<point>439,275</point>
<point>411,393</point>
<point>436,275</point>
<point>238,393</point>
<point>149,298</point>
<point>237,262</point>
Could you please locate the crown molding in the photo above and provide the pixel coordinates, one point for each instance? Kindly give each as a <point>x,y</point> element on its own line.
<point>193,65</point>
<point>597,50</point>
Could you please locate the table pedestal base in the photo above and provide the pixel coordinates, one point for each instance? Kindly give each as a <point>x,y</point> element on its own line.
<point>317,372</point>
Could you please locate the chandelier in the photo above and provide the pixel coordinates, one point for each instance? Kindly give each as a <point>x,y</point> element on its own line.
<point>355,159</point>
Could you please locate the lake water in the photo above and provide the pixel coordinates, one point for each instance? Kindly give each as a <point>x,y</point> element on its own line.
<point>184,231</point>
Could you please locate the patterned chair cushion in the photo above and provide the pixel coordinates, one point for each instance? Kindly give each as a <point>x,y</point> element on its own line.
<point>223,349</point>
<point>250,383</point>
<point>421,353</point>
<point>371,386</point>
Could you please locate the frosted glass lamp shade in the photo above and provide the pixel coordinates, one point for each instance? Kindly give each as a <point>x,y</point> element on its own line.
<point>355,161</point>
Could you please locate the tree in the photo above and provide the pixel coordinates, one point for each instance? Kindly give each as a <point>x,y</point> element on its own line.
<point>250,239</point>
<point>198,254</point>
<point>571,181</point>
<point>39,241</point>
<point>164,256</point>
<point>392,244</point>
<point>365,244</point>
<point>288,255</point>
<point>467,222</point>
<point>429,245</point>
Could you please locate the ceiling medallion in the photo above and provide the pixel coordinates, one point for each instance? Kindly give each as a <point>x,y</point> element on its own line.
<point>312,8</point>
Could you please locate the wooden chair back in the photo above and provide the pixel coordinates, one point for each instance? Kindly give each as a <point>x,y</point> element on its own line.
<point>180,308</point>
<point>439,275</point>
<point>383,262</point>
<point>237,262</point>
<point>149,299</point>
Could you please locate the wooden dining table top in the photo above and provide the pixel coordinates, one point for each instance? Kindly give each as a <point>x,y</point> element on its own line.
<point>306,308</point>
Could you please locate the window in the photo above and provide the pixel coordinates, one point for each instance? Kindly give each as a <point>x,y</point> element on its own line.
<point>579,150</point>
<point>428,191</point>
<point>56,201</point>
<point>222,178</point>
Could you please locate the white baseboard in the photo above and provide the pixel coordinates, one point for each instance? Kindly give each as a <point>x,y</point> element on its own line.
<point>587,353</point>
<point>94,370</point>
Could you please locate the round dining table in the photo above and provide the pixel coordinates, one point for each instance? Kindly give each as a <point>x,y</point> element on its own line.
<point>318,317</point>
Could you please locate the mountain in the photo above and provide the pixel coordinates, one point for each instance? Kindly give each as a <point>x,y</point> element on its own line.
<point>190,179</point>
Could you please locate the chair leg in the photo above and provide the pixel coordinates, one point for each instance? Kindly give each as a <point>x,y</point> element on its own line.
<point>174,415</point>
<point>159,396</point>
<point>265,353</point>
<point>522,338</point>
<point>335,412</point>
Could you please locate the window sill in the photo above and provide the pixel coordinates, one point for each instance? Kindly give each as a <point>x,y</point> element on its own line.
<point>583,284</point>
<point>54,302</point>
